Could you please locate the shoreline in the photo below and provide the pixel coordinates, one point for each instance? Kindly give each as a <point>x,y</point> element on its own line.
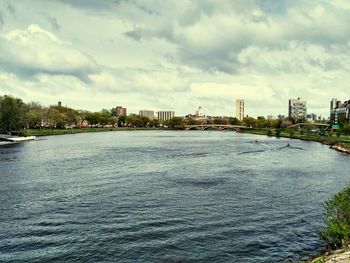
<point>334,143</point>
<point>340,255</point>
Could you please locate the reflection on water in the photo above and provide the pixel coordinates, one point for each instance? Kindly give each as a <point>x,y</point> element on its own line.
<point>156,196</point>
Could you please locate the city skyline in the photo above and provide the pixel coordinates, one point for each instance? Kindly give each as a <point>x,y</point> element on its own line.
<point>160,55</point>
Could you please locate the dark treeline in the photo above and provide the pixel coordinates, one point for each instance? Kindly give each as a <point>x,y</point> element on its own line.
<point>16,115</point>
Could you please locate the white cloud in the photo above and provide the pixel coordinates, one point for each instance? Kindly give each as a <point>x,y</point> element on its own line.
<point>33,51</point>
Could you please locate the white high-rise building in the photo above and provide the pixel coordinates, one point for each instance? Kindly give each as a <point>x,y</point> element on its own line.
<point>240,109</point>
<point>297,108</point>
<point>147,113</point>
<point>165,115</point>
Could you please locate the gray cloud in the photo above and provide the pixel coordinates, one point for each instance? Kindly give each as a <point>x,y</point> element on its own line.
<point>1,20</point>
<point>55,25</point>
<point>90,4</point>
<point>11,9</point>
<point>217,34</point>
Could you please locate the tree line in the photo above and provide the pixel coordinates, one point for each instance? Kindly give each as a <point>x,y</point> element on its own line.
<point>16,115</point>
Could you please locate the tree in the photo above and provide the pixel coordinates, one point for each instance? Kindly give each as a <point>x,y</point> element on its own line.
<point>12,112</point>
<point>154,123</point>
<point>121,121</point>
<point>250,122</point>
<point>233,121</point>
<point>342,120</point>
<point>346,129</point>
<point>54,118</point>
<point>34,115</point>
<point>175,123</point>
<point>191,121</point>
<point>219,121</point>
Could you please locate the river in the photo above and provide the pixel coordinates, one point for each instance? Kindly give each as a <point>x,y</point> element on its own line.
<point>165,196</point>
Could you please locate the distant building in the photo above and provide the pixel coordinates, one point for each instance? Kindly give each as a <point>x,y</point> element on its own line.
<point>240,109</point>
<point>334,104</point>
<point>198,116</point>
<point>147,113</point>
<point>120,111</point>
<point>165,115</point>
<point>340,110</point>
<point>311,117</point>
<point>297,108</point>
<point>59,104</point>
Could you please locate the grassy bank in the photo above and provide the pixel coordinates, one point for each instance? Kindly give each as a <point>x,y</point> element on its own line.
<point>48,132</point>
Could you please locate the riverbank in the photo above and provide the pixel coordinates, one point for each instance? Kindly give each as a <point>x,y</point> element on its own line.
<point>337,256</point>
<point>341,143</point>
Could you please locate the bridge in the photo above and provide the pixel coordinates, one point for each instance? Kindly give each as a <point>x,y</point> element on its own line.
<point>299,125</point>
<point>219,127</point>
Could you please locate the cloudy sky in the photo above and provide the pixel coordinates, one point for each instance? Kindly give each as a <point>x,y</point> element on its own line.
<point>159,54</point>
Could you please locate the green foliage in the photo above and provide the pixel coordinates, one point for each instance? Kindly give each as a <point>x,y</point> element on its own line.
<point>102,118</point>
<point>342,120</point>
<point>233,121</point>
<point>346,129</point>
<point>175,123</point>
<point>322,132</point>
<point>154,123</point>
<point>278,133</point>
<point>269,133</point>
<point>136,121</point>
<point>337,219</point>
<point>220,121</point>
<point>250,122</point>
<point>191,121</point>
<point>12,111</point>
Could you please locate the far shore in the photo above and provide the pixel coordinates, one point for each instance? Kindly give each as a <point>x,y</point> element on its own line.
<point>341,143</point>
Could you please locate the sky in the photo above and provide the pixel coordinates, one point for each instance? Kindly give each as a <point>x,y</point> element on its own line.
<point>176,55</point>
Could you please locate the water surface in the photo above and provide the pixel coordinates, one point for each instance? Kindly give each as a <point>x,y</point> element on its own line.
<point>165,196</point>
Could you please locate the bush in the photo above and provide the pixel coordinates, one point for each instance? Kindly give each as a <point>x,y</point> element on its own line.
<point>269,133</point>
<point>278,133</point>
<point>337,219</point>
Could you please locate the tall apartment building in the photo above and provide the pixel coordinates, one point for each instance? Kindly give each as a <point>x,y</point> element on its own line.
<point>120,111</point>
<point>240,109</point>
<point>165,115</point>
<point>333,104</point>
<point>147,113</point>
<point>297,108</point>
<point>339,109</point>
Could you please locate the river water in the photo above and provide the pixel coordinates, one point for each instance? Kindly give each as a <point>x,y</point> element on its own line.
<point>165,196</point>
